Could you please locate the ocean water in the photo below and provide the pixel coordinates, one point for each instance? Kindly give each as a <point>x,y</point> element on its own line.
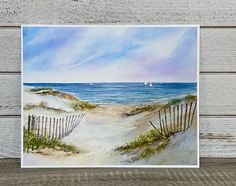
<point>123,93</point>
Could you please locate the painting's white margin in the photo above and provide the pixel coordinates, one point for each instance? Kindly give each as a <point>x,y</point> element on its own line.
<point>22,92</point>
<point>114,166</point>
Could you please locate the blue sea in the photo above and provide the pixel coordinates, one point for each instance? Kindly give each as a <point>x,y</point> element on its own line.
<point>123,93</point>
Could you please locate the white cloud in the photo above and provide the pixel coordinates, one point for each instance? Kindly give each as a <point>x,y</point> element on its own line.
<point>68,60</point>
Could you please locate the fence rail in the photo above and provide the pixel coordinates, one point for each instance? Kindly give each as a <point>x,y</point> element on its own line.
<point>52,127</point>
<point>175,118</point>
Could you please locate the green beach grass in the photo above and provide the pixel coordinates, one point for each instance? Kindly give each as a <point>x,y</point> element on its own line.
<point>43,105</point>
<point>145,145</point>
<point>150,107</point>
<point>75,103</point>
<point>152,141</point>
<point>34,143</point>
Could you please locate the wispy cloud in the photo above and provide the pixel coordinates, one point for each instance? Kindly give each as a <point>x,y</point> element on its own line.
<point>90,54</point>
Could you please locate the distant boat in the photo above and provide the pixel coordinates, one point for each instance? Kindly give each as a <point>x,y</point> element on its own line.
<point>91,83</point>
<point>145,83</point>
<point>150,84</point>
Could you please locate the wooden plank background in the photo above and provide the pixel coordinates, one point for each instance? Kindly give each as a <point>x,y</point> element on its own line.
<point>217,77</point>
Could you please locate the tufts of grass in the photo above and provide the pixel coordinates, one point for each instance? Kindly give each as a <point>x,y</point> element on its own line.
<point>142,108</point>
<point>175,101</point>
<point>57,93</point>
<point>40,89</point>
<point>152,141</point>
<point>32,142</point>
<point>190,98</point>
<point>148,151</point>
<point>144,139</point>
<point>76,104</point>
<point>146,144</point>
<point>82,105</point>
<point>44,106</point>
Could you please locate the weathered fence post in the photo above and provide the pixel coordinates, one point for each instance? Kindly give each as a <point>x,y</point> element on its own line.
<point>38,126</point>
<point>193,112</point>
<point>155,127</point>
<point>174,119</point>
<point>166,120</point>
<point>160,121</point>
<point>42,125</point>
<point>170,118</point>
<point>52,127</point>
<point>185,117</point>
<point>179,119</point>
<point>56,132</point>
<point>45,127</point>
<point>28,129</point>
<point>189,115</point>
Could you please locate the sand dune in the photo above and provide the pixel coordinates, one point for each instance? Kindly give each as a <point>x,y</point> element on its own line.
<point>105,128</point>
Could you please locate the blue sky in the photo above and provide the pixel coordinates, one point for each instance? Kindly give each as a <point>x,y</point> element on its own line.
<point>110,54</point>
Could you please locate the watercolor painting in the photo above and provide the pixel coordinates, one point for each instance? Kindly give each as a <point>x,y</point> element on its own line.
<point>110,96</point>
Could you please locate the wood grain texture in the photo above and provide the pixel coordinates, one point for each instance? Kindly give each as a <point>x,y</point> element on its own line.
<point>10,99</point>
<point>10,50</point>
<point>212,172</point>
<point>10,137</point>
<point>217,137</point>
<point>217,51</point>
<point>204,12</point>
<point>217,94</point>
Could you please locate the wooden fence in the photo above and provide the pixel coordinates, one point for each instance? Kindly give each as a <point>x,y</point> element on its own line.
<point>53,127</point>
<point>175,118</point>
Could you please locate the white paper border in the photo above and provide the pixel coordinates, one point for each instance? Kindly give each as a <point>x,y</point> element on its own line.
<point>113,166</point>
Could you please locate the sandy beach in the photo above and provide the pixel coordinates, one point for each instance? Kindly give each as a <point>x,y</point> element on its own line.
<point>103,129</point>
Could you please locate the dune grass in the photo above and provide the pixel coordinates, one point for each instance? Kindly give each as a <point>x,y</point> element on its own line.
<point>150,107</point>
<point>142,108</point>
<point>82,105</point>
<point>190,98</point>
<point>40,89</point>
<point>187,98</point>
<point>152,141</point>
<point>76,103</point>
<point>146,144</point>
<point>34,143</point>
<point>43,105</point>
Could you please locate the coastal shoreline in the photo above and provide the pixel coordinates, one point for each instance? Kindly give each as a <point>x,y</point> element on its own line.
<point>104,128</point>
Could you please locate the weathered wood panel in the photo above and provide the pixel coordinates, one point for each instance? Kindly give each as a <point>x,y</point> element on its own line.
<point>204,12</point>
<point>10,137</point>
<point>10,50</point>
<point>213,171</point>
<point>217,137</point>
<point>10,94</point>
<point>217,94</point>
<point>217,51</point>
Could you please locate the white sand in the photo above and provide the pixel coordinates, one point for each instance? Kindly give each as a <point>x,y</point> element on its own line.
<point>105,128</point>
<point>51,101</point>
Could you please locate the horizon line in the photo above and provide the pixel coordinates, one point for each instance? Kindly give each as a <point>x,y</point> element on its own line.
<point>116,82</point>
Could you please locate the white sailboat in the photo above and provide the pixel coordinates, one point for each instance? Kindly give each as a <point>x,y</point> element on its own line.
<point>145,83</point>
<point>91,83</point>
<point>150,84</point>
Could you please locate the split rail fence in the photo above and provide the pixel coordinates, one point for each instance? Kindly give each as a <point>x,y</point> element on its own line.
<point>52,127</point>
<point>175,118</point>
